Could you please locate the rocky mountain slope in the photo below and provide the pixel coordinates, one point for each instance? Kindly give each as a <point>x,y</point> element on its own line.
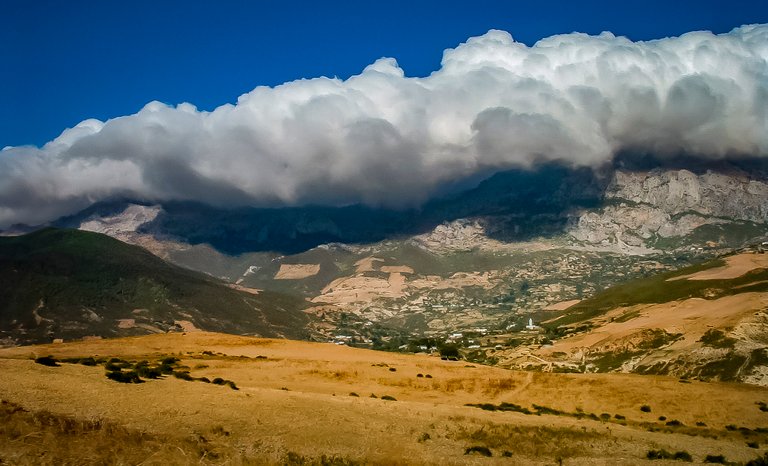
<point>512,248</point>
<point>69,284</point>
<point>521,245</point>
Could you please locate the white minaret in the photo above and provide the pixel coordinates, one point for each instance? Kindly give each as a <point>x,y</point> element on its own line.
<point>530,325</point>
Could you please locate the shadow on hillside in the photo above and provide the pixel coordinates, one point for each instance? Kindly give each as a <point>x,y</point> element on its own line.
<point>521,204</point>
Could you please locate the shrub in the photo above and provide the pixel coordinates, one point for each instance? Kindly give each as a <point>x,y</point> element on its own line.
<point>419,375</point>
<point>674,423</point>
<point>701,424</point>
<point>169,361</point>
<point>485,451</point>
<point>218,381</point>
<point>619,417</point>
<point>449,352</point>
<point>763,407</point>
<point>717,339</point>
<point>183,375</point>
<point>392,369</point>
<point>388,398</point>
<point>662,418</point>
<point>658,454</point>
<point>353,394</point>
<point>507,454</point>
<point>89,361</point>
<point>232,385</point>
<point>49,361</point>
<point>148,372</point>
<point>124,377</point>
<point>428,376</point>
<point>717,459</point>
<point>753,445</point>
<point>605,416</point>
<point>665,455</point>
<point>645,409</point>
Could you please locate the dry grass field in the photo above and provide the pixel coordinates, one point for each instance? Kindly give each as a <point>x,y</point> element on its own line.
<point>317,403</point>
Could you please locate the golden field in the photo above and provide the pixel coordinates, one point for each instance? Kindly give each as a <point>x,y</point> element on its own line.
<point>295,405</point>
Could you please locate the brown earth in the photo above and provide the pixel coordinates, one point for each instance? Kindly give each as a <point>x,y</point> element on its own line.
<point>297,271</point>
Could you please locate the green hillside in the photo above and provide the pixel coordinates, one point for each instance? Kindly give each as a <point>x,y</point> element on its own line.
<point>57,283</point>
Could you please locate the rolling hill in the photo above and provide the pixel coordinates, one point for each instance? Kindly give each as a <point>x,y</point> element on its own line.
<point>68,284</point>
<point>708,321</point>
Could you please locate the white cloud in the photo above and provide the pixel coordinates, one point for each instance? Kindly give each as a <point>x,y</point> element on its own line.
<point>382,138</point>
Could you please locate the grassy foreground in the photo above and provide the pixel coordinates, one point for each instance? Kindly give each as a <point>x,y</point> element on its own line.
<point>311,403</point>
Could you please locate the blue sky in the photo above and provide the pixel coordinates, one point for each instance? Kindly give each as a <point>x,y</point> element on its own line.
<point>63,62</point>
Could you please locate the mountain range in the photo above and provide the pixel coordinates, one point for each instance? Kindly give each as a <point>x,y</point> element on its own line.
<point>520,246</point>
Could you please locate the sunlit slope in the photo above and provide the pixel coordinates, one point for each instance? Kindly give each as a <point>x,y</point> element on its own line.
<point>708,321</point>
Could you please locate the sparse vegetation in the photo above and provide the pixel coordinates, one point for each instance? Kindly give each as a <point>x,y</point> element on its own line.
<point>479,449</point>
<point>49,361</point>
<point>715,459</point>
<point>124,377</point>
<point>665,455</point>
<point>716,339</point>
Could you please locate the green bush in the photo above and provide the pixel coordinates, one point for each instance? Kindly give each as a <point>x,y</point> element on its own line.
<point>353,394</point>
<point>449,352</point>
<point>645,409</point>
<point>388,398</point>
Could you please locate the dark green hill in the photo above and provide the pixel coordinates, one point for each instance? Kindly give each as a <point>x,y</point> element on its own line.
<point>57,283</point>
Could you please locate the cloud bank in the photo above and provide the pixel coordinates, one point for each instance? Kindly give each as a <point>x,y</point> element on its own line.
<point>382,138</point>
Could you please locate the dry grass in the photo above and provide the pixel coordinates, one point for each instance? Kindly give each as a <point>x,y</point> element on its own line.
<point>316,418</point>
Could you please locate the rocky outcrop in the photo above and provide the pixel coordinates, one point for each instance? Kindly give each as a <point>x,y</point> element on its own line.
<point>643,207</point>
<point>675,192</point>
